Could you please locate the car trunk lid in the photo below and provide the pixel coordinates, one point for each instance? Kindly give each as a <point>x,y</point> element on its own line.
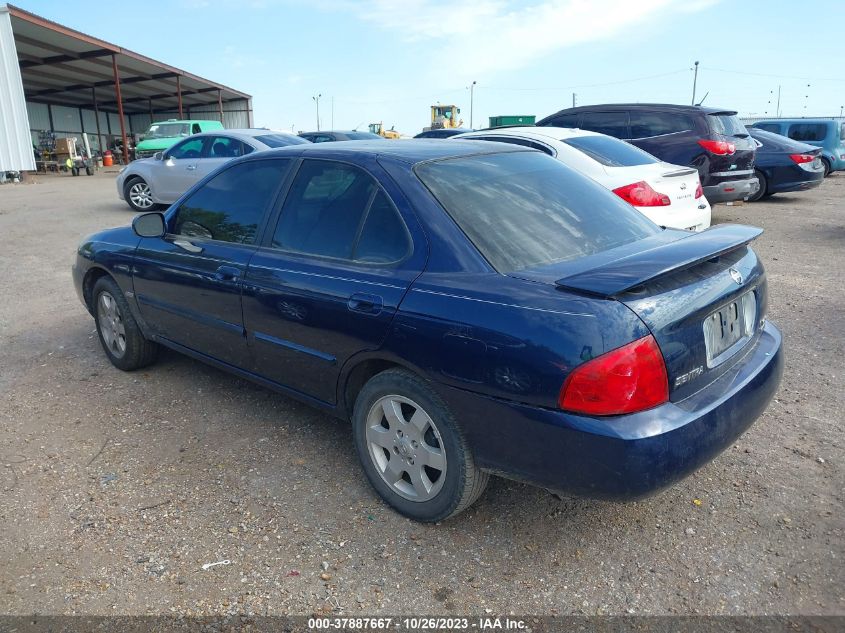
<point>701,295</point>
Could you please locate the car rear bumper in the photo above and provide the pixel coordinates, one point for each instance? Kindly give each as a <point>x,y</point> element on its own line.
<point>620,457</point>
<point>731,190</point>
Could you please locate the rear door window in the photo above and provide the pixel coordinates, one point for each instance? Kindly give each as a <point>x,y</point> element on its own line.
<point>611,152</point>
<point>647,124</point>
<point>842,132</point>
<point>610,123</point>
<point>225,147</point>
<point>807,131</point>
<point>565,120</point>
<point>337,210</point>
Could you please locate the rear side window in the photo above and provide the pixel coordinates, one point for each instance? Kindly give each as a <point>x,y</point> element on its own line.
<point>726,125</point>
<point>565,120</point>
<point>225,147</point>
<point>230,206</point>
<point>337,210</point>
<point>842,132</point>
<point>514,140</point>
<point>611,152</point>
<point>526,209</point>
<point>807,131</point>
<point>768,127</point>
<point>646,124</point>
<point>610,123</point>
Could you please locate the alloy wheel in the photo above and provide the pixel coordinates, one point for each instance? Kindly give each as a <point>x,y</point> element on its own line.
<point>111,325</point>
<point>406,448</point>
<point>140,195</point>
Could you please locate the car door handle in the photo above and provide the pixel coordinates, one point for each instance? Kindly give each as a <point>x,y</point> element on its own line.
<point>227,273</point>
<point>186,245</point>
<point>369,304</point>
<point>191,167</point>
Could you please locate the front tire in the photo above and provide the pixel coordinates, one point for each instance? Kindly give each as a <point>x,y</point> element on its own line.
<point>138,195</point>
<point>412,450</point>
<point>761,192</point>
<point>119,334</point>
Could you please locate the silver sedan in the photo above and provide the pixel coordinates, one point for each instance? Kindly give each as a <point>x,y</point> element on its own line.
<point>149,183</point>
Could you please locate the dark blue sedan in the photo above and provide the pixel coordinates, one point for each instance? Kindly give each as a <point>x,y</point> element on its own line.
<point>471,308</point>
<point>783,165</point>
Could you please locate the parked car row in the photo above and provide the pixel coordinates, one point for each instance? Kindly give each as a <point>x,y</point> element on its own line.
<point>471,307</point>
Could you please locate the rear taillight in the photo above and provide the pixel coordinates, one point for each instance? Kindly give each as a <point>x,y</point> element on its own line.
<point>720,148</point>
<point>699,191</point>
<point>641,194</point>
<point>802,158</point>
<point>628,379</point>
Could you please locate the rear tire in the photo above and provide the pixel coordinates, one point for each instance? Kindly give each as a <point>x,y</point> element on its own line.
<point>119,334</point>
<point>412,450</point>
<point>138,195</point>
<point>827,166</point>
<point>761,192</point>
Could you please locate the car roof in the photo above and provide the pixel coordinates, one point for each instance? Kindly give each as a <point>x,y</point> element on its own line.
<point>653,106</point>
<point>790,121</point>
<point>529,131</point>
<point>410,151</point>
<point>245,132</point>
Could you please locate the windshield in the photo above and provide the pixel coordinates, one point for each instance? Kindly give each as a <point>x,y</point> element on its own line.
<point>526,209</point>
<point>167,130</point>
<point>280,140</point>
<point>611,152</point>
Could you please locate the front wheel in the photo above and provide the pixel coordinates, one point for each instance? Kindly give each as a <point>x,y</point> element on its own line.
<point>412,450</point>
<point>761,192</point>
<point>118,331</point>
<point>138,195</point>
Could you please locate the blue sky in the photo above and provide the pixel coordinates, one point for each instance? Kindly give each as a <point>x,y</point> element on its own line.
<point>383,60</point>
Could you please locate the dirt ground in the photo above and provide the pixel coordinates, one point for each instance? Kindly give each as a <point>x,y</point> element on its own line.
<point>115,488</point>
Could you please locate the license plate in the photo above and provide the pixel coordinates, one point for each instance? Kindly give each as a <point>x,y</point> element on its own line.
<point>727,326</point>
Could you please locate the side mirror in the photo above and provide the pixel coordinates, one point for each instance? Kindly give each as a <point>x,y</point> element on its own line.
<point>149,225</point>
<point>158,156</point>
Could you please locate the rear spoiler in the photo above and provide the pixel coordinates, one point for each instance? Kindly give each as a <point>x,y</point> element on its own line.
<point>614,278</point>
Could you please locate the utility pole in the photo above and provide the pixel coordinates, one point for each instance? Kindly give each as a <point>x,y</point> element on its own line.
<point>573,99</point>
<point>332,111</point>
<point>777,110</point>
<point>694,82</point>
<point>317,101</point>
<point>471,102</point>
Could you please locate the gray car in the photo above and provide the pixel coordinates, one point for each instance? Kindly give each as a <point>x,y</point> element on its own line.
<point>149,183</point>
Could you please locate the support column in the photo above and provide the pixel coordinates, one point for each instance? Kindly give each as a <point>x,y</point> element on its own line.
<point>152,119</point>
<point>120,109</point>
<point>220,103</point>
<point>97,117</point>
<point>179,94</point>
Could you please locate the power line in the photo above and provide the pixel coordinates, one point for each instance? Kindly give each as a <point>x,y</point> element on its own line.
<point>743,72</point>
<point>598,85</point>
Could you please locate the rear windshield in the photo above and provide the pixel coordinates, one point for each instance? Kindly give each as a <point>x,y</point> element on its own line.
<point>611,152</point>
<point>526,209</point>
<point>727,125</point>
<point>280,140</point>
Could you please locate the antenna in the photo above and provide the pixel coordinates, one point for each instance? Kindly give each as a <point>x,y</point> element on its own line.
<point>703,98</point>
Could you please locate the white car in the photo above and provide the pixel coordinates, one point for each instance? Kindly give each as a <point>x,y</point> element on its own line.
<point>669,195</point>
<point>148,183</point>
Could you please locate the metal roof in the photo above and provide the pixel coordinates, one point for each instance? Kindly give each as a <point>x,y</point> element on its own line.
<point>62,66</point>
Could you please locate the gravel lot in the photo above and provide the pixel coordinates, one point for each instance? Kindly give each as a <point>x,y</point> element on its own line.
<point>117,487</point>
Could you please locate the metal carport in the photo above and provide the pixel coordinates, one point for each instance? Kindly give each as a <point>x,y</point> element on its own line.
<point>74,83</point>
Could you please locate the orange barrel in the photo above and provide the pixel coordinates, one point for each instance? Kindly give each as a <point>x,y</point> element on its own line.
<point>108,161</point>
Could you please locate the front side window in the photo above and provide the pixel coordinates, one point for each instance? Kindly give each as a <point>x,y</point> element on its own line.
<point>337,210</point>
<point>526,209</point>
<point>611,152</point>
<point>610,123</point>
<point>807,131</point>
<point>230,206</point>
<point>189,148</point>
